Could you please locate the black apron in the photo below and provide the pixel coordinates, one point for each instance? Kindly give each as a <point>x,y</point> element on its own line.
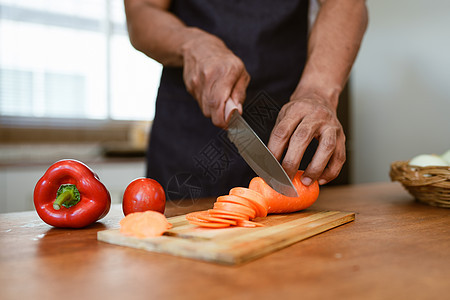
<point>187,154</point>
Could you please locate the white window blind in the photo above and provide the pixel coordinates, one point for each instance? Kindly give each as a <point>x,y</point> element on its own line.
<point>72,59</point>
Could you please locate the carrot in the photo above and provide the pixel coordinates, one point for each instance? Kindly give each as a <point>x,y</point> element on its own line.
<point>228,213</point>
<point>239,200</point>
<point>195,219</point>
<point>217,219</point>
<point>250,224</point>
<point>193,216</point>
<point>126,224</point>
<point>209,224</point>
<point>207,217</point>
<point>278,203</point>
<point>250,212</point>
<point>228,217</point>
<point>256,198</point>
<point>144,224</point>
<point>242,205</point>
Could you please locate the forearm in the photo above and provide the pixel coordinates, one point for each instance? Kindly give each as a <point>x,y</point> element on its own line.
<point>332,48</point>
<point>158,33</point>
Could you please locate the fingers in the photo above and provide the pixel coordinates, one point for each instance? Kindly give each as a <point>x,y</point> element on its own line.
<point>329,158</point>
<point>239,92</point>
<point>281,134</point>
<point>300,139</point>
<point>298,123</point>
<point>212,75</point>
<point>234,83</point>
<point>334,167</point>
<point>213,101</point>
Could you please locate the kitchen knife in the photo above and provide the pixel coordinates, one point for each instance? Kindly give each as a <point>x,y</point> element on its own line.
<point>255,153</point>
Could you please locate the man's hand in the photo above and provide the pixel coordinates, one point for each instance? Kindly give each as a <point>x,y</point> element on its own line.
<point>311,112</point>
<point>212,74</point>
<point>301,120</point>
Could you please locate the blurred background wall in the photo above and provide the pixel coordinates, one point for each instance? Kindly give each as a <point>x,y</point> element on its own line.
<point>400,86</point>
<point>70,84</point>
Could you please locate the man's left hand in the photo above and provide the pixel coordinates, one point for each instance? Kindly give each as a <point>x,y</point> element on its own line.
<point>301,120</point>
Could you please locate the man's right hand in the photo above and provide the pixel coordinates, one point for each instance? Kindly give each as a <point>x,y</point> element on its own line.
<point>212,74</point>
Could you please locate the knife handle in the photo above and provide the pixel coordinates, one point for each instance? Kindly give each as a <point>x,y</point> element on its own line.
<point>229,107</point>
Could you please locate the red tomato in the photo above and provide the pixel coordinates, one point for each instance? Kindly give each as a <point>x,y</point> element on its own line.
<point>143,194</point>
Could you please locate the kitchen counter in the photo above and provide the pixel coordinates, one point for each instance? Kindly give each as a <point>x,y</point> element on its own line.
<point>395,249</point>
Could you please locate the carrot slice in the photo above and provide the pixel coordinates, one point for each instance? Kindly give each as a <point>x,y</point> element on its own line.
<point>214,219</point>
<point>241,201</point>
<point>205,216</point>
<point>195,219</point>
<point>144,224</point>
<point>237,200</point>
<point>127,224</point>
<point>250,212</point>
<point>153,224</point>
<point>259,209</point>
<point>250,224</point>
<point>226,212</point>
<point>256,198</point>
<point>235,209</point>
<point>209,224</point>
<point>192,216</point>
<point>229,217</point>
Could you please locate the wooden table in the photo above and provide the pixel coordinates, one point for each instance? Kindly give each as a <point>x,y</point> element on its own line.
<point>395,249</point>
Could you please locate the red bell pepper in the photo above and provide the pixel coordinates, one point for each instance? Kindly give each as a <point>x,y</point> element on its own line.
<point>71,195</point>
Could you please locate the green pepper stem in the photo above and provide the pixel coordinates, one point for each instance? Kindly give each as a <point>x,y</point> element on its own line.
<point>66,196</point>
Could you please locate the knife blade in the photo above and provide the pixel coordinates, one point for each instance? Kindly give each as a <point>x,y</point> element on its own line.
<point>255,152</point>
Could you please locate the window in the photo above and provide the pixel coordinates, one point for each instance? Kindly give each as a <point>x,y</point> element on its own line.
<point>72,59</point>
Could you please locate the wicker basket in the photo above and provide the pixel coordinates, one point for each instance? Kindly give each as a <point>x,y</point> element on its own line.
<point>430,185</point>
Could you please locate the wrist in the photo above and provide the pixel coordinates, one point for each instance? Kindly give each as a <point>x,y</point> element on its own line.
<point>326,94</point>
<point>321,81</point>
<point>194,39</point>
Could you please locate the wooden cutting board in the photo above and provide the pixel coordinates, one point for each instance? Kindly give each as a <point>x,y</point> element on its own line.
<point>234,245</point>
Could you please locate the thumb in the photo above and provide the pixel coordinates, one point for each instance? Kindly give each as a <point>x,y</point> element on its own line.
<point>239,92</point>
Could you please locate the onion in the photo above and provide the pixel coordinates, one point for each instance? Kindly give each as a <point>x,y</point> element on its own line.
<point>425,160</point>
<point>446,157</point>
